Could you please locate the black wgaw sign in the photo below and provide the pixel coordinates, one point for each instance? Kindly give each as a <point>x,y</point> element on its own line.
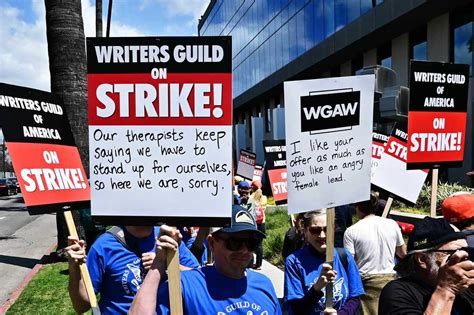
<point>328,111</point>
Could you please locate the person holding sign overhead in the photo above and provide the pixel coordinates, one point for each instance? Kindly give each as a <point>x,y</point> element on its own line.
<point>117,263</point>
<point>225,287</point>
<point>306,274</point>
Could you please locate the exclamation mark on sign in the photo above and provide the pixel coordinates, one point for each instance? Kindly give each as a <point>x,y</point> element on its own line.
<point>217,111</point>
<point>459,141</point>
<point>83,184</point>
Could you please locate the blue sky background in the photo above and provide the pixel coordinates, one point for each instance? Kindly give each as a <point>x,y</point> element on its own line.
<point>23,46</point>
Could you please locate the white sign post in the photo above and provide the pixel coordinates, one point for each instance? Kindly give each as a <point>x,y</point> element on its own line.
<point>328,139</point>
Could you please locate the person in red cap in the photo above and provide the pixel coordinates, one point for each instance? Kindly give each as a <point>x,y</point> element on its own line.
<point>459,210</point>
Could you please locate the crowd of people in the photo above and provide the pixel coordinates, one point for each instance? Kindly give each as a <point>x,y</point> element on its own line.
<point>372,271</point>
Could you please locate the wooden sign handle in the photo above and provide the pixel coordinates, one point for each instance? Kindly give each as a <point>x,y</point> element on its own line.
<point>83,267</point>
<point>330,218</point>
<point>434,191</point>
<point>174,282</point>
<point>210,257</point>
<point>292,219</point>
<point>386,210</point>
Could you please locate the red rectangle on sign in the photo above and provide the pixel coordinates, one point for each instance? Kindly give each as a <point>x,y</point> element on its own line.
<point>278,183</point>
<point>436,137</point>
<point>49,173</point>
<point>196,99</point>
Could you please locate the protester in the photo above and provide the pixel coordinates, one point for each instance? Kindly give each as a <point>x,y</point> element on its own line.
<point>294,237</point>
<point>244,193</point>
<point>198,244</point>
<point>117,263</point>
<point>374,241</point>
<point>306,274</point>
<point>258,206</point>
<point>227,286</point>
<point>436,273</point>
<point>459,210</point>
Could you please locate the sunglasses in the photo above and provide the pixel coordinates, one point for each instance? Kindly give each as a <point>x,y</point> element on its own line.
<point>316,230</point>
<point>234,244</point>
<point>450,252</point>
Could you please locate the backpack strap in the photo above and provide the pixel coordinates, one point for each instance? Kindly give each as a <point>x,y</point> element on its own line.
<point>343,258</point>
<point>119,234</point>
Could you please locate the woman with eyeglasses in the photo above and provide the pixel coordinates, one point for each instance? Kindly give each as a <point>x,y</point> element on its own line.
<point>307,274</point>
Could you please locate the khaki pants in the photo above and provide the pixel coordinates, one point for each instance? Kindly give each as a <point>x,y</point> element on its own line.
<point>373,285</point>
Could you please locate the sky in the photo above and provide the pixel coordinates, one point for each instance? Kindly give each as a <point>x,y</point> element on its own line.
<point>23,45</point>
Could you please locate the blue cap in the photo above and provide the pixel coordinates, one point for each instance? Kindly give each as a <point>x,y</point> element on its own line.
<point>244,184</point>
<point>241,221</point>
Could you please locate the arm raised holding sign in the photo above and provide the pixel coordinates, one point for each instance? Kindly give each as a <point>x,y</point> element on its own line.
<point>224,287</point>
<point>146,298</point>
<point>118,262</point>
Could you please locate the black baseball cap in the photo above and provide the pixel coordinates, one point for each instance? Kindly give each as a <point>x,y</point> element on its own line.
<point>241,220</point>
<point>427,234</point>
<point>431,232</point>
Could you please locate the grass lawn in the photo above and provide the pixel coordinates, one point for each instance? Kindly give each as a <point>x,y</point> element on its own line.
<point>276,224</point>
<point>46,293</point>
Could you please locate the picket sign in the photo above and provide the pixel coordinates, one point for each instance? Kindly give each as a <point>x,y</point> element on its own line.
<point>330,215</point>
<point>83,267</point>
<point>388,205</point>
<point>434,191</point>
<point>292,220</point>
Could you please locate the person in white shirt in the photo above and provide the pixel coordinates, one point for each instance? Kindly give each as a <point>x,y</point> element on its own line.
<point>374,241</point>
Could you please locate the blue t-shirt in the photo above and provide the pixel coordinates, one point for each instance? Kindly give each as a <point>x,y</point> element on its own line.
<point>117,273</point>
<point>206,291</point>
<point>302,269</point>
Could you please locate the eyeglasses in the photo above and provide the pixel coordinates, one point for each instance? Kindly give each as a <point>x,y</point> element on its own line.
<point>450,252</point>
<point>316,230</point>
<point>234,244</point>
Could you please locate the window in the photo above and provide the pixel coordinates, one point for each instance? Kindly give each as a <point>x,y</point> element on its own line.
<point>461,47</point>
<point>384,55</point>
<point>268,118</point>
<point>357,64</point>
<point>418,47</point>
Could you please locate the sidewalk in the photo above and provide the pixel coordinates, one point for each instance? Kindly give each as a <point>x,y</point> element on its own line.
<point>276,276</point>
<point>20,254</point>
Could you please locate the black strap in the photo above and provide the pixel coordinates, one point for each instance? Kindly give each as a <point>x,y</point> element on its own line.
<point>343,257</point>
<point>119,234</point>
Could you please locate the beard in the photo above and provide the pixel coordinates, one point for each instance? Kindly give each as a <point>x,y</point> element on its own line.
<point>432,264</point>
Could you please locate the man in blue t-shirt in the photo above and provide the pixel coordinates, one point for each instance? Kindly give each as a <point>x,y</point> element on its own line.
<point>117,264</point>
<point>226,287</point>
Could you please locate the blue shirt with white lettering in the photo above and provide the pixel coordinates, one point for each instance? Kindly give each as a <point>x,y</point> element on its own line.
<point>117,273</point>
<point>302,269</point>
<point>206,291</point>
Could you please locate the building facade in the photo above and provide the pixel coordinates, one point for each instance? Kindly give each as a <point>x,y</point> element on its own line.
<point>281,40</point>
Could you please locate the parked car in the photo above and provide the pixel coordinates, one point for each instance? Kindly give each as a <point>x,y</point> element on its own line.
<point>15,182</point>
<point>7,188</point>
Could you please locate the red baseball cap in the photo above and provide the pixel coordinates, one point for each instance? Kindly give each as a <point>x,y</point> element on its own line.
<point>458,208</point>
<point>257,184</point>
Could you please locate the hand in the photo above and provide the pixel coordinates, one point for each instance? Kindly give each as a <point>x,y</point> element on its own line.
<point>147,260</point>
<point>168,239</point>
<point>328,275</point>
<point>457,274</point>
<point>76,250</point>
